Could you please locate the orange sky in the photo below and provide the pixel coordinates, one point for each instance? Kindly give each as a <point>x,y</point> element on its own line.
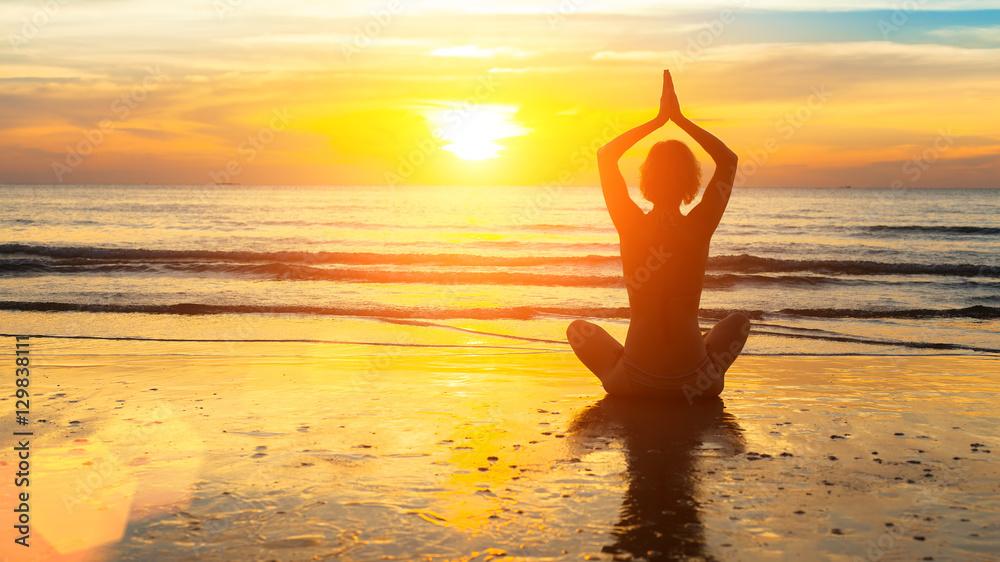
<point>503,93</point>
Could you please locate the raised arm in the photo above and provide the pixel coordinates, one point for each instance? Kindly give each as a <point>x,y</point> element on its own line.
<point>623,210</point>
<point>713,204</point>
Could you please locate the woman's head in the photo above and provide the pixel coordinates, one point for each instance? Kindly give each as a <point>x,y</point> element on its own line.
<point>670,174</point>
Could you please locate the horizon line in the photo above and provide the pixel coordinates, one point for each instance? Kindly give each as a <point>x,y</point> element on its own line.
<point>214,185</point>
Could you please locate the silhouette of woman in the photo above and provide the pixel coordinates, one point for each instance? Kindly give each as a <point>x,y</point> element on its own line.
<point>663,256</point>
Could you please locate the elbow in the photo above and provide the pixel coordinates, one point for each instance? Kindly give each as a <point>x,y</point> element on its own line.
<point>605,163</point>
<point>610,151</point>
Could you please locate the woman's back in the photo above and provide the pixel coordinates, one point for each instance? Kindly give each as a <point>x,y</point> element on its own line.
<point>664,260</point>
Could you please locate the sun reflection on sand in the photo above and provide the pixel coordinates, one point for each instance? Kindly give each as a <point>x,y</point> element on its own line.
<point>302,451</point>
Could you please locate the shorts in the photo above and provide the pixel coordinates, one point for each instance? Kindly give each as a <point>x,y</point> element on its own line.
<point>693,383</point>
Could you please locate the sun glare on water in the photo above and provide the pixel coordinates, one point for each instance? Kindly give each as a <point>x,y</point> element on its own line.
<point>472,133</point>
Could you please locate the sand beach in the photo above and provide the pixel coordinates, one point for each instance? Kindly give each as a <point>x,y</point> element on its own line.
<point>149,450</point>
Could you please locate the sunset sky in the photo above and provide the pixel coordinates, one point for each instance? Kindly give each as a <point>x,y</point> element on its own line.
<point>505,92</point>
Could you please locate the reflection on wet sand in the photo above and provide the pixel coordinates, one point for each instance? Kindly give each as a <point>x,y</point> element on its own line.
<point>662,443</point>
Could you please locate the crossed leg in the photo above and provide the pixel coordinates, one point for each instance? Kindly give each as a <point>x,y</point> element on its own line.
<point>723,343</point>
<point>603,355</point>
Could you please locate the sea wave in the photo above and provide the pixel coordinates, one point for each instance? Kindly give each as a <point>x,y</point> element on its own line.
<point>14,256</point>
<point>753,264</point>
<point>92,254</point>
<point>517,312</point>
<point>980,312</point>
<point>438,276</point>
<point>934,229</point>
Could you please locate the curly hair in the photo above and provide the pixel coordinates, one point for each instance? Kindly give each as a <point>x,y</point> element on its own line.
<point>670,173</point>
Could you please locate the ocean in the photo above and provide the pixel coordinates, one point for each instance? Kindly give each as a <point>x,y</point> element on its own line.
<point>819,271</point>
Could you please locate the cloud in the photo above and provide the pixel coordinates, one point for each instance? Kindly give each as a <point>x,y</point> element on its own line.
<point>474,51</point>
<point>602,59</point>
<point>635,56</point>
<point>970,36</point>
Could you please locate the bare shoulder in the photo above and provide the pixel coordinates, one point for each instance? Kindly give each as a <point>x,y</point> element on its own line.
<point>701,222</point>
<point>708,213</point>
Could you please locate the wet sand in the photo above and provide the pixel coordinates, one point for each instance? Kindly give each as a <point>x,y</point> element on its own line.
<point>264,451</point>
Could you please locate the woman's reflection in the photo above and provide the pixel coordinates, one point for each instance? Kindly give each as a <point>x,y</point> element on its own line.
<point>660,516</point>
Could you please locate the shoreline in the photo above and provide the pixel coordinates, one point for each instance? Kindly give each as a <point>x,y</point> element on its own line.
<point>103,329</point>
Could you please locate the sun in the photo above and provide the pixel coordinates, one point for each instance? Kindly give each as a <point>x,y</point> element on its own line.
<point>472,132</point>
<point>474,149</point>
